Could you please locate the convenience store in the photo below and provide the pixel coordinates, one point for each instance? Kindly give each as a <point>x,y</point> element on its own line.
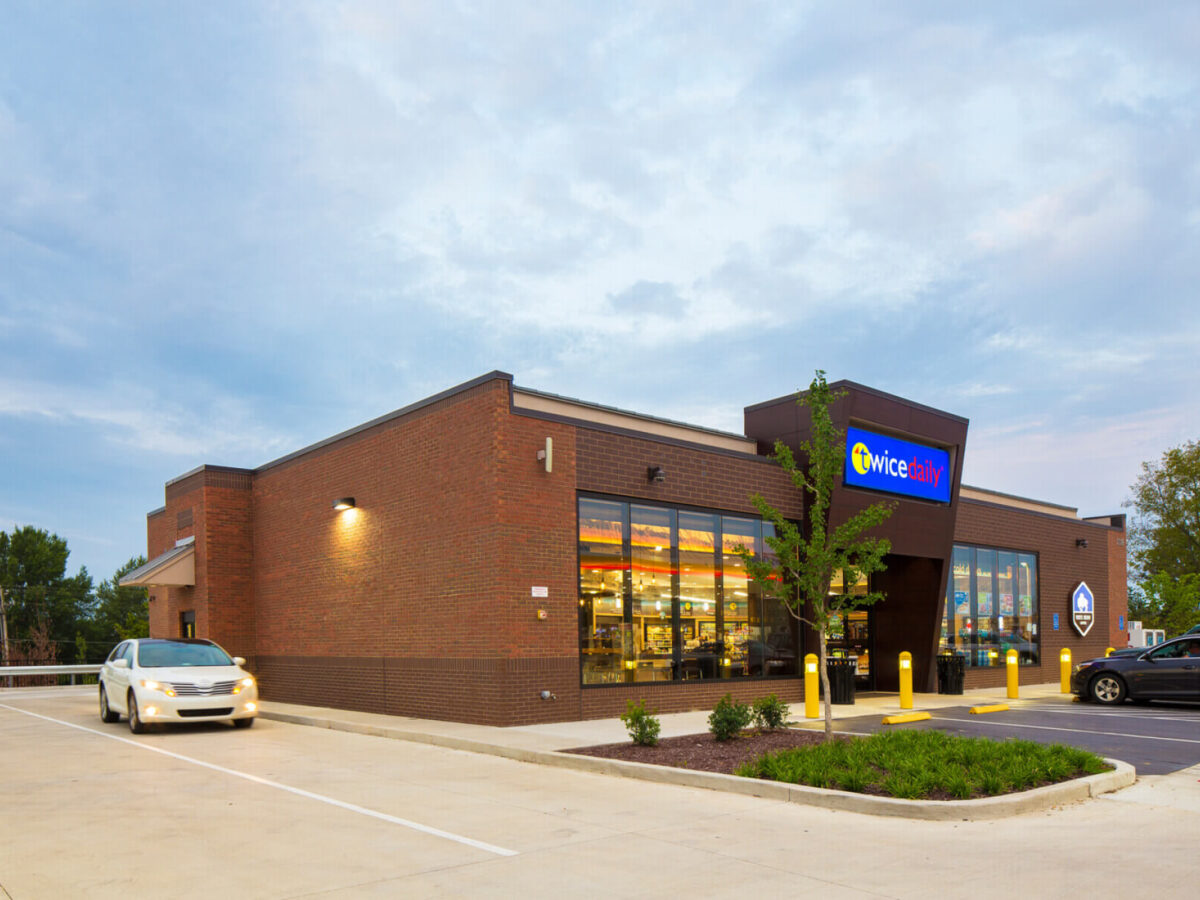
<point>503,555</point>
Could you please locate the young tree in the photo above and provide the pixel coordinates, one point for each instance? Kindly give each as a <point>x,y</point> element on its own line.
<point>803,560</point>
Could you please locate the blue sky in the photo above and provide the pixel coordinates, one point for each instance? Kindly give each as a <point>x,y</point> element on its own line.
<point>228,230</point>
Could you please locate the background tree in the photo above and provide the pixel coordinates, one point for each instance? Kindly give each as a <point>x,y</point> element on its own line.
<point>1160,601</point>
<point>802,561</point>
<point>39,597</point>
<point>1164,540</point>
<point>122,612</point>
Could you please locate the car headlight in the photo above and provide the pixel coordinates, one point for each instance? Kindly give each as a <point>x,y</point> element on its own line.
<point>159,686</point>
<point>246,682</point>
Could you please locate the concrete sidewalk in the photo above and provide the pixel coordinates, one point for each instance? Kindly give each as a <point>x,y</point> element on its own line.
<point>567,735</point>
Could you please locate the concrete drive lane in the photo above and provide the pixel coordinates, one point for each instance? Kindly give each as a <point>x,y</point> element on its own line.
<point>288,811</point>
<point>1154,739</point>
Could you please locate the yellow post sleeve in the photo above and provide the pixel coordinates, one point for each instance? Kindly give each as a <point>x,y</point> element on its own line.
<point>1064,669</point>
<point>1010,661</point>
<point>812,688</point>
<point>906,692</point>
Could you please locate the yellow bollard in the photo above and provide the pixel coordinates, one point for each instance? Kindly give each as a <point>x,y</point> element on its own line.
<point>811,688</point>
<point>1010,660</point>
<point>1109,651</point>
<point>906,680</point>
<point>1064,669</point>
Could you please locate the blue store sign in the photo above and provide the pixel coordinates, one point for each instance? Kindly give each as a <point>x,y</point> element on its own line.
<point>889,464</point>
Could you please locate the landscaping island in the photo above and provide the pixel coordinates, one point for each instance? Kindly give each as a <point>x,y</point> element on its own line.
<point>909,764</point>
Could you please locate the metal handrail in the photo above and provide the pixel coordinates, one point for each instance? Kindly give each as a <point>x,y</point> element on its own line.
<point>11,672</point>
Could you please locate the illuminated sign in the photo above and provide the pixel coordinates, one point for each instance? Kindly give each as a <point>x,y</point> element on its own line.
<point>1083,609</point>
<point>899,467</point>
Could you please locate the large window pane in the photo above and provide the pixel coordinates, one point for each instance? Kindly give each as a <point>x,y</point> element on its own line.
<point>1027,608</point>
<point>781,629</point>
<point>958,623</point>
<point>653,609</point>
<point>704,652</point>
<point>740,626</point>
<point>604,629</point>
<point>987,651</point>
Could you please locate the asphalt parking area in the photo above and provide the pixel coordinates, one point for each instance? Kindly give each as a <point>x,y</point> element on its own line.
<point>1156,739</point>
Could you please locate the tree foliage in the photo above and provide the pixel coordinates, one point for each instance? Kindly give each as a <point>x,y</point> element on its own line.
<point>803,560</point>
<point>1164,535</point>
<point>1160,601</point>
<point>1164,541</point>
<point>57,617</point>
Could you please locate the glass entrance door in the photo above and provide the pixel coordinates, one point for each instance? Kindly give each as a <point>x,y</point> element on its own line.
<point>850,634</point>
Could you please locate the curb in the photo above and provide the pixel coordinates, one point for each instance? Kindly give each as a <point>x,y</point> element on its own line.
<point>1007,805</point>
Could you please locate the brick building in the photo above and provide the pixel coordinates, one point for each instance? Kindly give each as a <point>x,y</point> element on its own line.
<point>507,556</point>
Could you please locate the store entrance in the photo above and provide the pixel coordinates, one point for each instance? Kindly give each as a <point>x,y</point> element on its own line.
<point>850,635</point>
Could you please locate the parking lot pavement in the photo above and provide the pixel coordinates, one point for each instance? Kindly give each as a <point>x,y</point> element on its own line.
<point>1155,739</point>
<point>288,811</point>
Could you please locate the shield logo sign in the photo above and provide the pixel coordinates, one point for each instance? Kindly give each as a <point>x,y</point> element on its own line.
<point>1083,609</point>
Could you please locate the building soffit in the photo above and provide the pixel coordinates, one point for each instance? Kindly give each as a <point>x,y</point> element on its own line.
<point>175,568</point>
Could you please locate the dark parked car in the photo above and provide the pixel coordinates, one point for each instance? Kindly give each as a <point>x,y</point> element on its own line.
<point>1170,671</point>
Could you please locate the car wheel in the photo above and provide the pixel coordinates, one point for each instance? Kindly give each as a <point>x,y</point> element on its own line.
<point>106,714</point>
<point>1107,688</point>
<point>136,725</point>
<point>243,723</point>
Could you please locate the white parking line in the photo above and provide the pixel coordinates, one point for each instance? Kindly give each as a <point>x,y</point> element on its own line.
<point>1001,724</point>
<point>1184,716</point>
<point>351,807</point>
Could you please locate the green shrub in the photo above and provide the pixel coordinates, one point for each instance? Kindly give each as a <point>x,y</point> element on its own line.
<point>642,724</point>
<point>728,717</point>
<point>770,712</point>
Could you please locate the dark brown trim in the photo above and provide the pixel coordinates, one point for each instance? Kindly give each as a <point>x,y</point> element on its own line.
<point>1066,520</point>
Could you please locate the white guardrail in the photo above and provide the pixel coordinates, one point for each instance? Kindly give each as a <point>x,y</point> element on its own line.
<point>8,673</point>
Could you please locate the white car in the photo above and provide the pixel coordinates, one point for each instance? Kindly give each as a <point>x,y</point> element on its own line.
<point>151,680</point>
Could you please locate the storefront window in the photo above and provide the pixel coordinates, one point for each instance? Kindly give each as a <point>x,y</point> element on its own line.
<point>991,606</point>
<point>664,595</point>
<point>604,630</point>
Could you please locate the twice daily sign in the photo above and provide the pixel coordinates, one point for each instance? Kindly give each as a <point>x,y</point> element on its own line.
<point>884,463</point>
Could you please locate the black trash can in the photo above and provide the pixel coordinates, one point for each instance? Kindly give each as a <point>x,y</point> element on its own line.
<point>951,668</point>
<point>841,679</point>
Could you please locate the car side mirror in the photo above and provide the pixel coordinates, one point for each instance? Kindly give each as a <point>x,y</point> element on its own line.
<point>239,660</point>
<point>121,663</point>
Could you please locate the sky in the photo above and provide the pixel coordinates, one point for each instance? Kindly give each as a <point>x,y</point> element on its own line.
<point>229,230</point>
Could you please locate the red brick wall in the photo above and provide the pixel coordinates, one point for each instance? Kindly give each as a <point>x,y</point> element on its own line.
<point>403,600</point>
<point>1061,566</point>
<point>184,502</point>
<point>1118,584</point>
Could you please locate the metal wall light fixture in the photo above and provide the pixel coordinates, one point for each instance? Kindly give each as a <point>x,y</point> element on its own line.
<point>344,503</point>
<point>1081,542</point>
<point>656,473</point>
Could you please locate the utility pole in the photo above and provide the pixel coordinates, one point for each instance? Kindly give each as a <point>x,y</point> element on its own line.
<point>3,625</point>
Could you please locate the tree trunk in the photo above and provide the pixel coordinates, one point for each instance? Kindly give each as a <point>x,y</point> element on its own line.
<point>821,656</point>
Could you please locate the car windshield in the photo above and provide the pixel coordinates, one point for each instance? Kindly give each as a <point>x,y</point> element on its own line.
<point>171,653</point>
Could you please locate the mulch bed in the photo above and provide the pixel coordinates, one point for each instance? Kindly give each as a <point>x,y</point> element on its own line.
<point>703,752</point>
